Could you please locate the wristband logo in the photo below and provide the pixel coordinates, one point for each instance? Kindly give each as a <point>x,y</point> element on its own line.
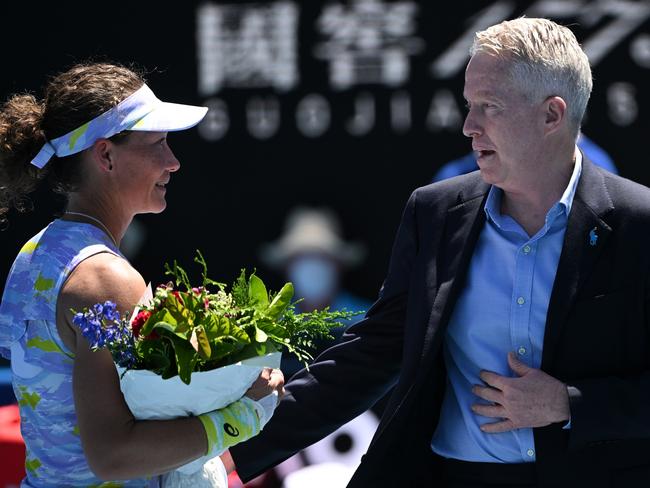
<point>230,430</point>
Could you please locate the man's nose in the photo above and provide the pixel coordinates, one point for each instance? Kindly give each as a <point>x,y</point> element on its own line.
<point>471,127</point>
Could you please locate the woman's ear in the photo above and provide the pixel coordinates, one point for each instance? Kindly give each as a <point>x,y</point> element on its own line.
<point>102,151</point>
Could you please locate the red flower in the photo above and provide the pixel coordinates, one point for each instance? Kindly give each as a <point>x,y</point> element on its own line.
<point>178,297</point>
<point>139,321</point>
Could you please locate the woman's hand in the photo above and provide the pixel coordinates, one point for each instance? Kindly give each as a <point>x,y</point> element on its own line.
<point>267,382</point>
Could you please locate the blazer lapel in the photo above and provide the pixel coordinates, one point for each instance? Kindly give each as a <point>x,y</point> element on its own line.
<point>462,227</point>
<point>584,240</point>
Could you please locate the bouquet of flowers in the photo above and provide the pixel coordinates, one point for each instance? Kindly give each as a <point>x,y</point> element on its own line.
<point>186,350</point>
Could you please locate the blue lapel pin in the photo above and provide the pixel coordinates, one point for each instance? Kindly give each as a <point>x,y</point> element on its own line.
<point>593,237</point>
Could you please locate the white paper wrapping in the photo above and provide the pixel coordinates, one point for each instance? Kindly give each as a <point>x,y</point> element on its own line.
<point>152,398</point>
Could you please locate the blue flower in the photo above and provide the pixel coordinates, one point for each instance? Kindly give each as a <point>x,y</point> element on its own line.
<point>110,311</point>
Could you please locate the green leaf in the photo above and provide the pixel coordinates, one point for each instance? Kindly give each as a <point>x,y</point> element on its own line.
<point>273,328</point>
<point>185,356</point>
<point>184,317</point>
<point>259,297</point>
<point>203,342</point>
<point>217,327</point>
<point>260,335</point>
<point>154,353</point>
<point>223,347</point>
<point>172,329</point>
<point>281,301</point>
<point>157,317</point>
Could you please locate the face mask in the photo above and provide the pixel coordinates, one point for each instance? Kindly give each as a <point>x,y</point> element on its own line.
<point>314,278</point>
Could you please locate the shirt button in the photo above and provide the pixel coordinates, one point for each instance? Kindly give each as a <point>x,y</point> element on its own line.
<point>522,350</point>
<point>530,453</point>
<point>521,300</point>
<point>526,249</point>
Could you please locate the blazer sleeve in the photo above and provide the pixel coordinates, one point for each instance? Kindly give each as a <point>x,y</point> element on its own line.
<point>346,379</point>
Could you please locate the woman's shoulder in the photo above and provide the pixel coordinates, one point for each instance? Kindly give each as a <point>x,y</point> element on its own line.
<point>103,276</point>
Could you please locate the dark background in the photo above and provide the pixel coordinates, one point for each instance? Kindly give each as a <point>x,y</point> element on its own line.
<point>232,194</point>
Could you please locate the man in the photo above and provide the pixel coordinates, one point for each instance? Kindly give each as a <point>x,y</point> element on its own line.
<point>513,320</point>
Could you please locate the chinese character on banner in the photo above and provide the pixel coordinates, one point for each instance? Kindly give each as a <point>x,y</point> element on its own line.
<point>368,42</point>
<point>247,46</point>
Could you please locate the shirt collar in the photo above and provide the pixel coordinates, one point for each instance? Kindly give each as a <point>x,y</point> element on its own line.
<point>493,204</point>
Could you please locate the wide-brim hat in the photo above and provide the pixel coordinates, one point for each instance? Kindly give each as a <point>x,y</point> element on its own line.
<point>312,230</point>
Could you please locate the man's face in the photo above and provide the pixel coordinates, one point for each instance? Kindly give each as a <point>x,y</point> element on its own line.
<point>506,128</point>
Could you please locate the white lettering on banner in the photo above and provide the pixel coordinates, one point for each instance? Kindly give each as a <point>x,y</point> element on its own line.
<point>622,105</point>
<point>363,119</point>
<point>263,117</point>
<point>247,46</point>
<point>369,42</point>
<point>640,50</point>
<point>400,111</point>
<point>626,16</point>
<point>216,122</point>
<point>444,112</point>
<point>313,115</point>
<point>253,45</point>
<point>453,60</point>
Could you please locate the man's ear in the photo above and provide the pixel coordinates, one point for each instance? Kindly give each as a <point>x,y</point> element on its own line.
<point>554,113</point>
<point>102,151</point>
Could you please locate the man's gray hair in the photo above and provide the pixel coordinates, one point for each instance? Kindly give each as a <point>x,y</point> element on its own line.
<point>545,60</point>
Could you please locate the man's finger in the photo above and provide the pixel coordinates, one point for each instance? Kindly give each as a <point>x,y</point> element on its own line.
<point>495,411</point>
<point>493,379</point>
<point>488,393</point>
<point>516,365</point>
<point>498,427</point>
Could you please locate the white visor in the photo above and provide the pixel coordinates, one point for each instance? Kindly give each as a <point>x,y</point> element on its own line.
<point>140,111</point>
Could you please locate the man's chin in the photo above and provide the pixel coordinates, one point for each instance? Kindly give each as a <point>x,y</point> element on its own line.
<point>487,176</point>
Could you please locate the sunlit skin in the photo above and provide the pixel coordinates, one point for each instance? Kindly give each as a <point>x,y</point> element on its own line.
<point>525,148</point>
<point>121,180</point>
<point>125,179</point>
<point>522,146</point>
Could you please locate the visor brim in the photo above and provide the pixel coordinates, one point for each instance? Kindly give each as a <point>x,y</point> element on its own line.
<point>168,117</point>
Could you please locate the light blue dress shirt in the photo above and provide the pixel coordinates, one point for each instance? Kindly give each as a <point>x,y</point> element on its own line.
<point>502,308</point>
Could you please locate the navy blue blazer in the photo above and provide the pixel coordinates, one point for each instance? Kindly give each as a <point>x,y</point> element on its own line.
<point>597,339</point>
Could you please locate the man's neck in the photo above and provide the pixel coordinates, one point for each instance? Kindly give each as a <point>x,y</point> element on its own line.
<point>530,206</point>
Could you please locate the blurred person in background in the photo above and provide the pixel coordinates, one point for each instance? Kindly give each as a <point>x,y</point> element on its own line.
<point>314,257</point>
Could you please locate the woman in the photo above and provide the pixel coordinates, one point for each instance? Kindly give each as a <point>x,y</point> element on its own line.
<point>100,135</point>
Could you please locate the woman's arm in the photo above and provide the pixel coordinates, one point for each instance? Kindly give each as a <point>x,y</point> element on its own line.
<point>116,445</point>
